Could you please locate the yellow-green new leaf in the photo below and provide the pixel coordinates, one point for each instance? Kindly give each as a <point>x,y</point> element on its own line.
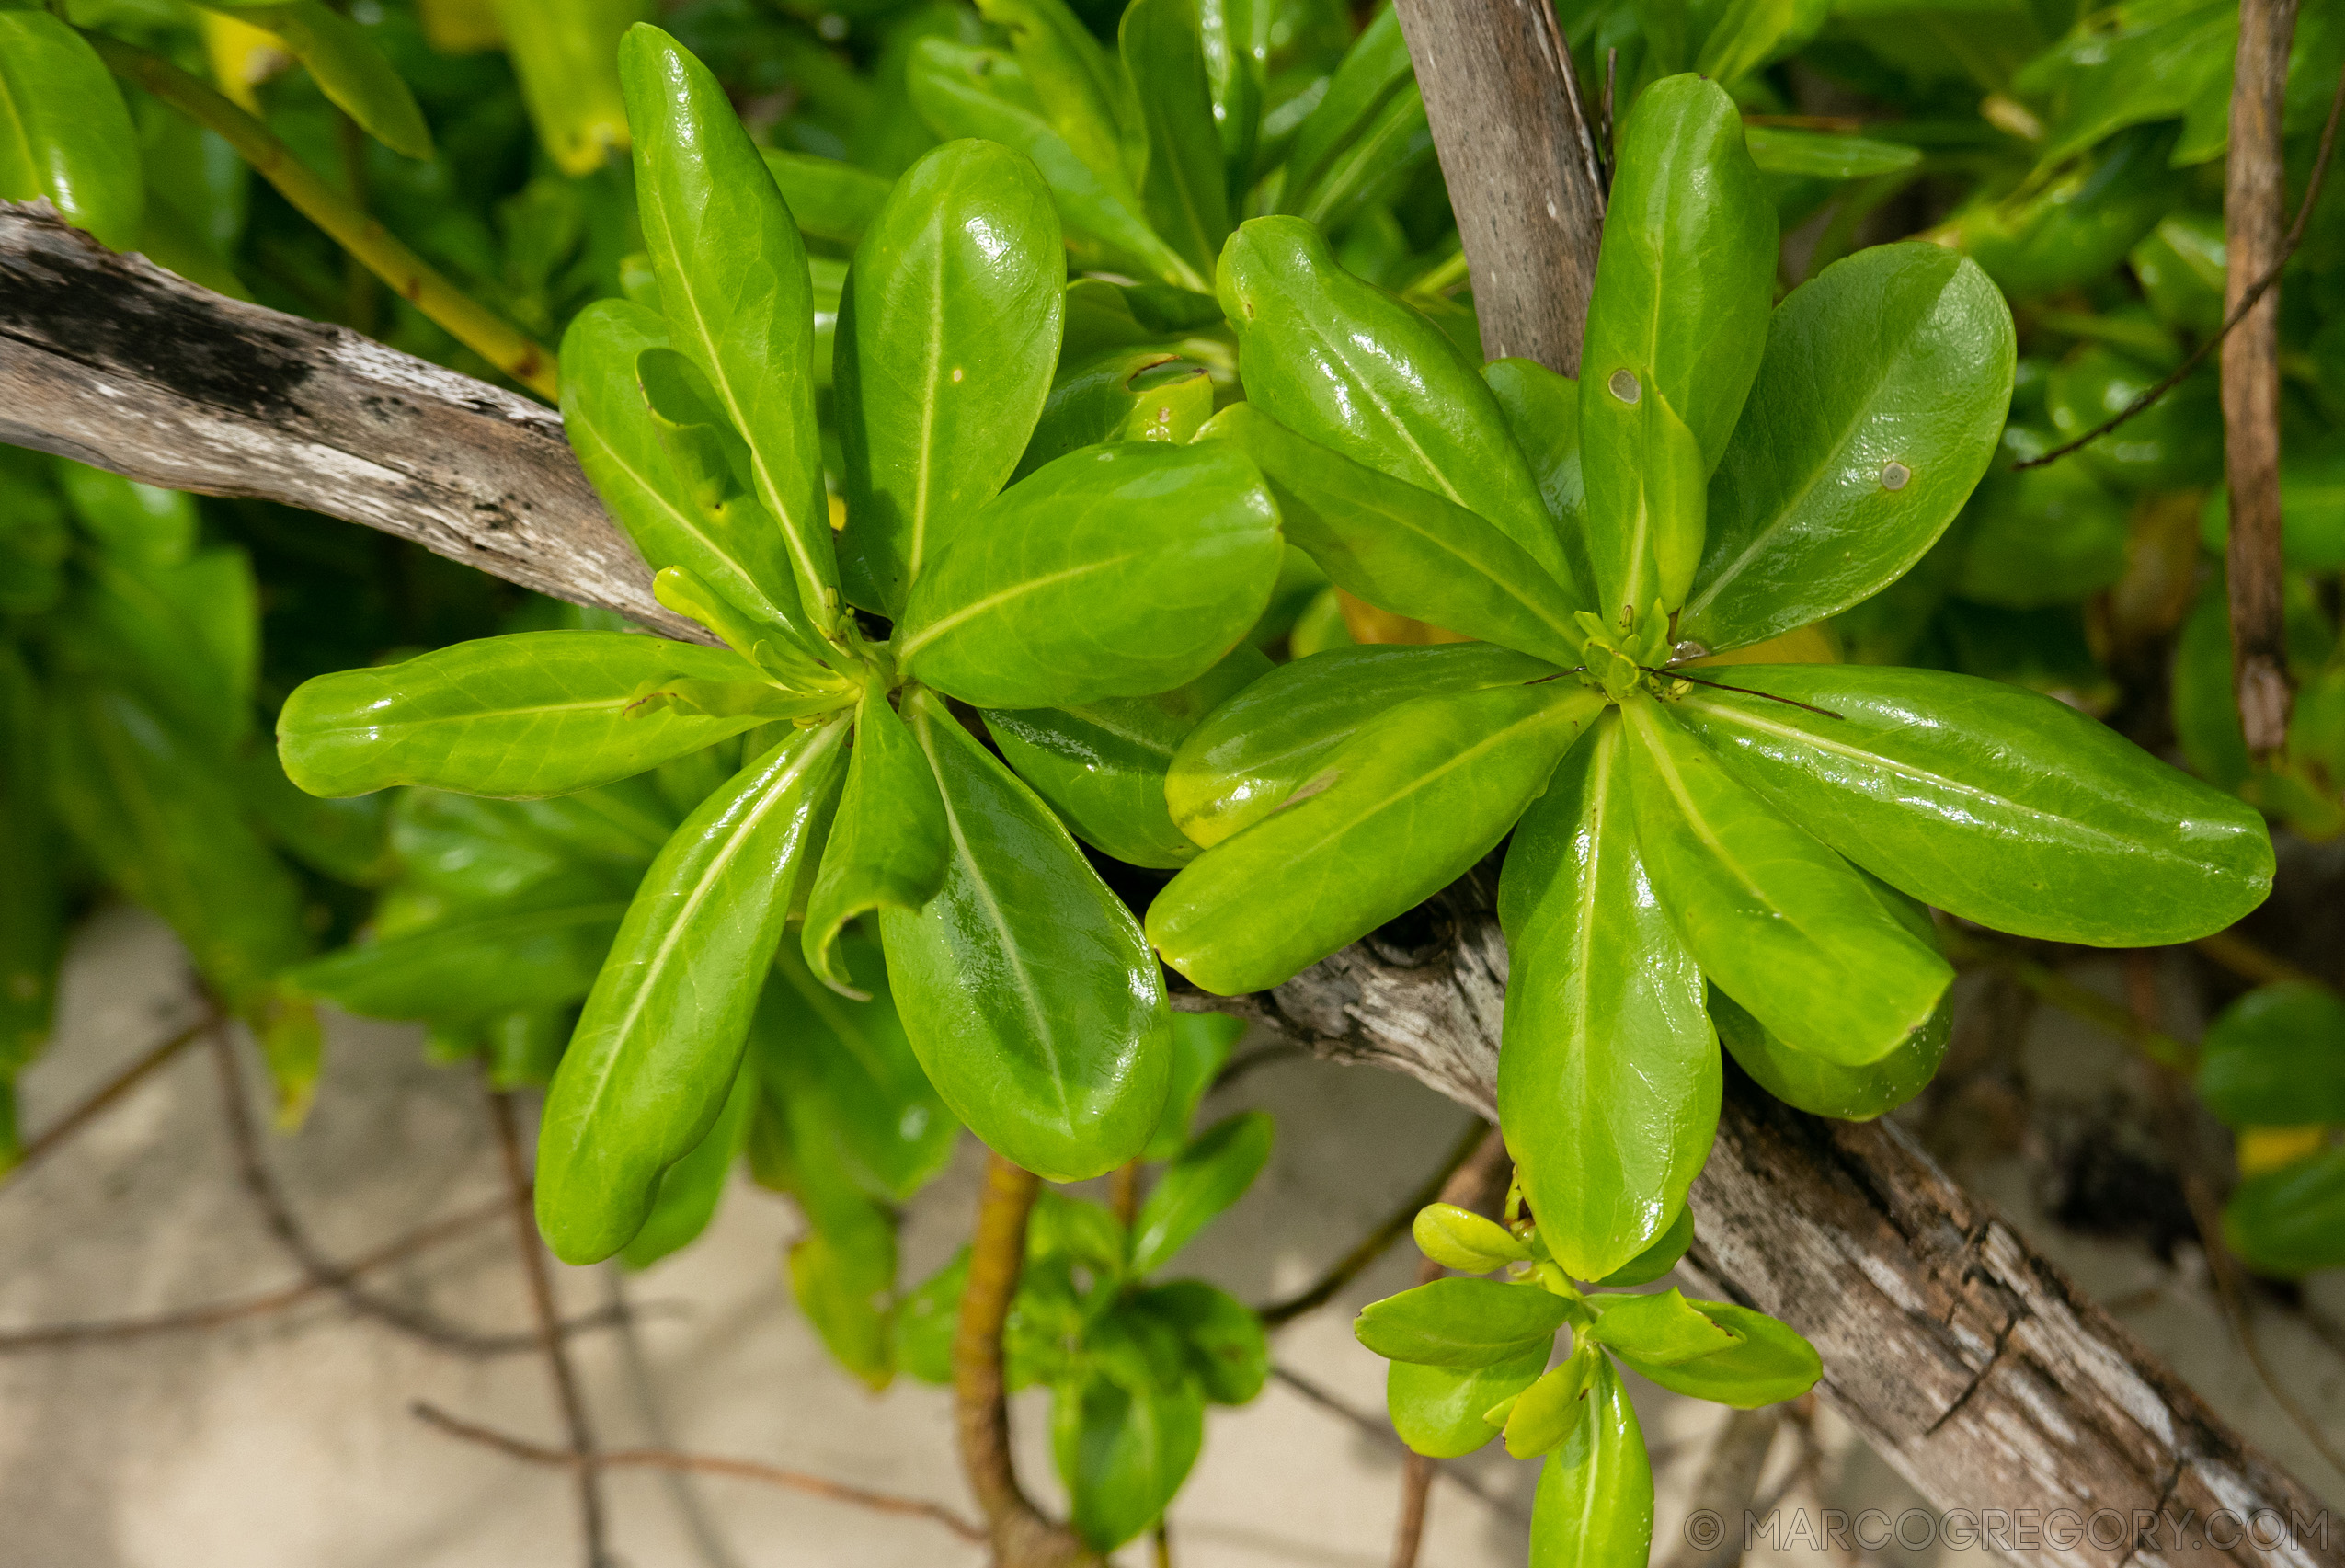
<point>658,1046</point>
<point>1460,1238</point>
<point>1594,1502</point>
<point>1770,1363</point>
<point>346,66</point>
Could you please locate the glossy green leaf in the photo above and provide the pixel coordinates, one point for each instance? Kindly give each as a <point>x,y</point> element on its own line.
<point>1438,1411</point>
<point>983,93</point>
<point>346,66</point>
<point>657,1048</point>
<point>828,200</point>
<point>1658,1329</point>
<point>1227,1350</point>
<point>1828,1089</point>
<point>690,1189</point>
<point>1250,755</point>
<point>1775,919</point>
<point>63,131</point>
<point>1076,82</point>
<point>733,282</point>
<point>469,967</point>
<point>564,51</point>
<point>1461,1324</point>
<point>1992,803</point>
<point>948,331</point>
<point>1609,1077</point>
<point>1102,766</point>
<point>1660,1257</point>
<point>1201,1045</point>
<point>1460,1238</point>
<point>618,443</point>
<point>165,827</point>
<point>888,844</point>
<point>1117,571</point>
<point>1237,59</point>
<point>1542,410</point>
<point>1771,1363</point>
<point>1395,816</point>
<point>1374,75</point>
<point>1145,393</point>
<point>31,903</point>
<point>1206,1177</point>
<point>1025,985</point>
<point>1875,411</point>
<point>1553,1409</point>
<point>850,1067</point>
<point>533,714</point>
<point>1182,187</point>
<point>2078,225</point>
<point>1347,365</point>
<point>2289,1222</point>
<point>1594,1502</point>
<point>1676,325</point>
<point>1123,1452</point>
<point>1403,547</point>
<point>2276,1058</point>
<point>1818,154</point>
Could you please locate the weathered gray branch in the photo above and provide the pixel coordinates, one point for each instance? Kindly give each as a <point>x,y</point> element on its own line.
<point>112,361</point>
<point>1972,1363</point>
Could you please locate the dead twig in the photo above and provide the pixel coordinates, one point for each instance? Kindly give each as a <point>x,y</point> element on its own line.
<point>549,1328</point>
<point>122,1083</point>
<point>1380,1432</point>
<point>1374,1245</point>
<point>420,1322</point>
<point>696,1464</point>
<point>2238,313</point>
<point>416,1241</point>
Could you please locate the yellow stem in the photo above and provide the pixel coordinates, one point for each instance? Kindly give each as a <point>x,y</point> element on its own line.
<point>469,322</point>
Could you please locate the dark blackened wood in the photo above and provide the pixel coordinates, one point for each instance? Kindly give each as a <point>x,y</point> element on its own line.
<point>1514,149</point>
<point>117,363</point>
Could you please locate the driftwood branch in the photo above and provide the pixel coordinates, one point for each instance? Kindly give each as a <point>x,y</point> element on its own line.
<point>115,362</point>
<point>1971,1362</point>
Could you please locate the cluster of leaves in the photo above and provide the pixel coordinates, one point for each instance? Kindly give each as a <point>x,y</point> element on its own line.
<point>2273,1067</point>
<point>134,758</point>
<point>1471,1360</point>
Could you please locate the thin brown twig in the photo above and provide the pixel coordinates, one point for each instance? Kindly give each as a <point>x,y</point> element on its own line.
<point>1380,1432</point>
<point>549,1327</point>
<point>1374,1245</point>
<point>212,1316</point>
<point>697,1464</point>
<point>2239,313</point>
<point>122,1083</point>
<point>421,1322</point>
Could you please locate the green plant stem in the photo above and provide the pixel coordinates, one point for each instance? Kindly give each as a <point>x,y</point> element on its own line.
<point>464,319</point>
<point>1022,1536</point>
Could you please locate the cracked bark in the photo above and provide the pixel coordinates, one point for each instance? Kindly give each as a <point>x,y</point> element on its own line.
<point>1850,1233</point>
